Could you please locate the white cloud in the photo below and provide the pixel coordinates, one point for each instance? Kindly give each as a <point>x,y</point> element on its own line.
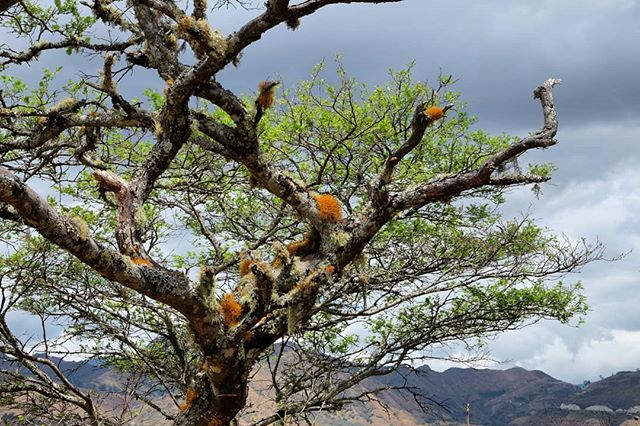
<point>27,328</point>
<point>600,206</point>
<point>603,206</point>
<point>620,350</point>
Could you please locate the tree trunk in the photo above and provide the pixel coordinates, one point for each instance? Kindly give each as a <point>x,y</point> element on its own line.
<point>222,391</point>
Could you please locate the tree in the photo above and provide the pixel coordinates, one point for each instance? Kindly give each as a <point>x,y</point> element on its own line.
<point>356,228</point>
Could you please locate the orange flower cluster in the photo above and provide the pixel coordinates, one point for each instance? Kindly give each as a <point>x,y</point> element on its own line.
<point>434,113</point>
<point>230,309</point>
<point>192,395</point>
<point>328,206</point>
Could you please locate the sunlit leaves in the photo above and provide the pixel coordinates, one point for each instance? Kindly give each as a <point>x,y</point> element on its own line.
<point>61,19</point>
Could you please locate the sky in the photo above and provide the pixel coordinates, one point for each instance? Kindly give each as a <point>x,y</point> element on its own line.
<point>500,51</point>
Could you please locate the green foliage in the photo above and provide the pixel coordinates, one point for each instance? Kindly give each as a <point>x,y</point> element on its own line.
<point>61,19</point>
<point>155,98</point>
<point>336,136</point>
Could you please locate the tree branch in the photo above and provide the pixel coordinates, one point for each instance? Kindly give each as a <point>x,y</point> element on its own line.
<point>450,186</point>
<point>516,179</point>
<point>36,49</point>
<point>454,185</point>
<point>419,126</point>
<point>158,283</point>
<point>6,4</point>
<point>58,123</point>
<point>164,58</point>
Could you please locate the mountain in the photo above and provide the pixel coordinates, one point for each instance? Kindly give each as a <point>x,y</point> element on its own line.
<point>620,391</point>
<point>521,397</point>
<point>497,397</point>
<point>90,374</point>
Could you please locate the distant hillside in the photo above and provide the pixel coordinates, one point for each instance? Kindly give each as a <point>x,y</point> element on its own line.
<point>497,397</point>
<point>620,391</point>
<point>89,374</point>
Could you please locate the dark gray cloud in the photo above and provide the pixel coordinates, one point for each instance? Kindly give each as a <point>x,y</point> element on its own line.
<point>501,51</point>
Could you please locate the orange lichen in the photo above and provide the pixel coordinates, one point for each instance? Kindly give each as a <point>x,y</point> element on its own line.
<point>141,261</point>
<point>245,267</point>
<point>309,244</point>
<point>267,93</point>
<point>328,206</point>
<point>330,269</point>
<point>295,246</point>
<point>434,113</point>
<point>277,261</point>
<point>192,395</point>
<point>230,310</point>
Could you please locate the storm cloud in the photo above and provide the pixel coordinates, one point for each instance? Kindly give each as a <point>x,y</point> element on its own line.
<point>501,51</point>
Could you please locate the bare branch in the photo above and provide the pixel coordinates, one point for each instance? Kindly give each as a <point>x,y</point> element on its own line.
<point>451,186</point>
<point>61,121</point>
<point>421,120</point>
<point>35,50</point>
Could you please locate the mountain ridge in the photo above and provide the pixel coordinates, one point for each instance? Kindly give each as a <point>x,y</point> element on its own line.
<point>513,396</point>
